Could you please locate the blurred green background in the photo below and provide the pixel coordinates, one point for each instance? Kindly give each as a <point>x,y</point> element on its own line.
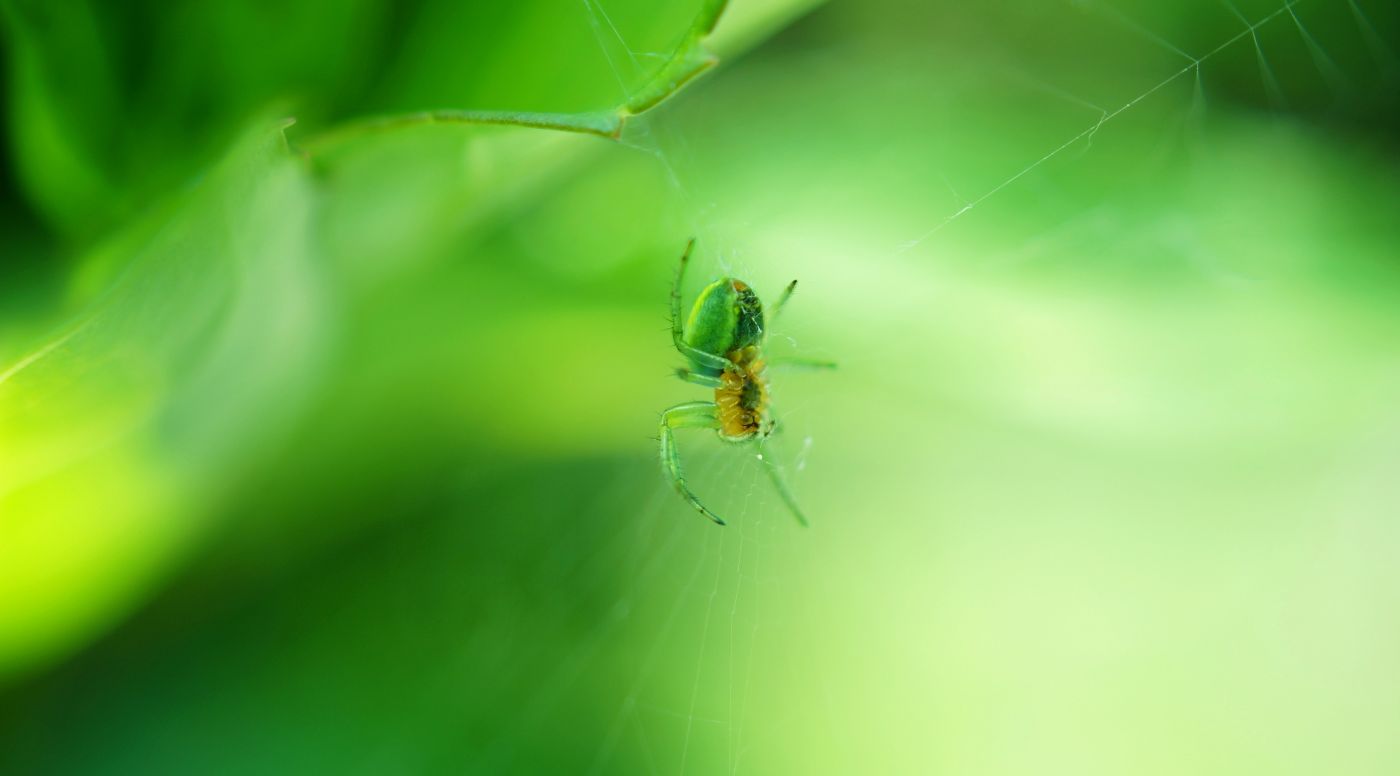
<point>346,463</point>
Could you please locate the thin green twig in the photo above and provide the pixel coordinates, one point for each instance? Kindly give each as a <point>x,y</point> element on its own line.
<point>689,60</point>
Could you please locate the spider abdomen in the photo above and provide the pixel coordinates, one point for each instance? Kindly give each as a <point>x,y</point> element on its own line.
<point>727,316</point>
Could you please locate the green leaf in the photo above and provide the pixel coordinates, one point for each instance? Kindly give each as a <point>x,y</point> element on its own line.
<point>117,429</point>
<point>212,324</point>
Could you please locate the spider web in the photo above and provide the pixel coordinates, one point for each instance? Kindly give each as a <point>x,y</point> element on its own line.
<point>703,632</point>
<point>1066,516</point>
<point>686,719</point>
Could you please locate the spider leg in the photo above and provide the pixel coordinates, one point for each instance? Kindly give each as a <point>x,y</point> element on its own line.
<point>801,363</point>
<point>782,301</point>
<point>694,414</point>
<point>698,357</point>
<point>699,379</point>
<point>776,475</point>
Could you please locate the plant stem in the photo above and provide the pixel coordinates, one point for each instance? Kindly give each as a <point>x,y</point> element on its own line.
<point>689,60</point>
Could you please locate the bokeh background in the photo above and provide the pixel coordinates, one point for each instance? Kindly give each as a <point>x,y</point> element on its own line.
<point>346,462</point>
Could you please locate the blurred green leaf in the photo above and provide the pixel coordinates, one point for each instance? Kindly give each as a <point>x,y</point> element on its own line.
<point>210,322</point>
<point>116,427</point>
<point>358,453</point>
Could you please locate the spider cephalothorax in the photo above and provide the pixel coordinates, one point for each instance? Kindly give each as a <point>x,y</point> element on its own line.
<point>742,397</point>
<point>723,342</point>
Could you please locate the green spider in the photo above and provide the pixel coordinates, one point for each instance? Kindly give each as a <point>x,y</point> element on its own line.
<point>723,342</point>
